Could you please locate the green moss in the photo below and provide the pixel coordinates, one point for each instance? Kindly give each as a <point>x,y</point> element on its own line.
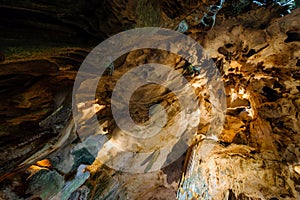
<point>148,14</point>
<point>22,52</point>
<point>22,49</point>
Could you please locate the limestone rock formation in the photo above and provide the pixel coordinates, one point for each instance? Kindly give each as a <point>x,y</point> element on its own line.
<point>255,47</point>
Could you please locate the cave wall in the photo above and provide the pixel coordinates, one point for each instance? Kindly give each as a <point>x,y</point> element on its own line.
<point>256,51</point>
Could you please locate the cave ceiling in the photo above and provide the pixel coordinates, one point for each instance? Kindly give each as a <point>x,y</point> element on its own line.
<point>242,127</point>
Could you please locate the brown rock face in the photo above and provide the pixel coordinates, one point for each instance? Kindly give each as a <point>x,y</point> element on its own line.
<point>262,93</point>
<point>256,155</point>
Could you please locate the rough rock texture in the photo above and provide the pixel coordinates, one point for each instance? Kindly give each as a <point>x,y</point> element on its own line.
<point>33,89</point>
<point>259,69</point>
<point>257,53</point>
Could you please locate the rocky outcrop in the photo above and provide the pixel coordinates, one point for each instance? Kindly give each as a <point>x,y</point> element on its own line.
<point>259,67</point>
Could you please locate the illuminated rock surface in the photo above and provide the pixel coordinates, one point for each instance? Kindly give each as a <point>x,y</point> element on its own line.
<point>257,53</point>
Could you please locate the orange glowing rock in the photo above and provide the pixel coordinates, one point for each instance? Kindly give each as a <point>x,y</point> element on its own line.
<point>44,163</point>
